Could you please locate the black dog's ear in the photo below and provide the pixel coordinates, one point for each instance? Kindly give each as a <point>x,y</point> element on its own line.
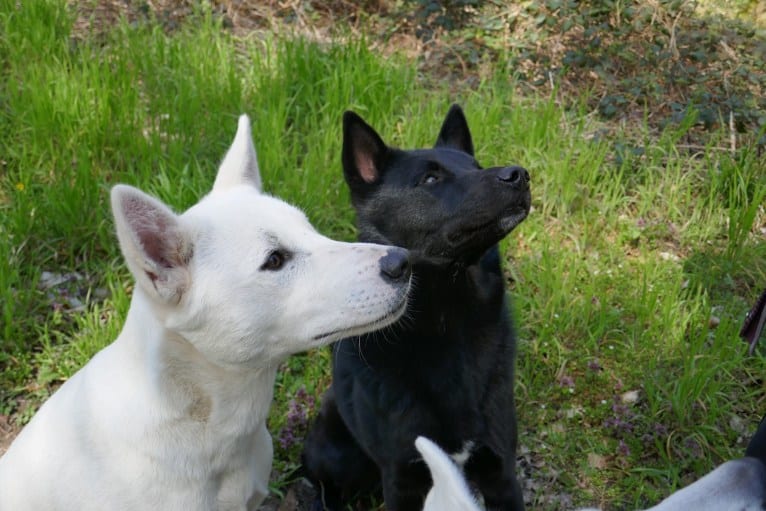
<point>455,132</point>
<point>364,152</point>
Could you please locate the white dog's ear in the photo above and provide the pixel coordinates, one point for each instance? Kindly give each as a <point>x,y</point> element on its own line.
<point>240,165</point>
<point>450,491</point>
<point>155,246</point>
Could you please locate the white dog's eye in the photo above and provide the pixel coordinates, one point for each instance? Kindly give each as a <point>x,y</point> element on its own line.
<point>275,261</point>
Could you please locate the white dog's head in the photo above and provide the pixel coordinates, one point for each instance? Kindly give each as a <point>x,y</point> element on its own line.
<point>245,278</point>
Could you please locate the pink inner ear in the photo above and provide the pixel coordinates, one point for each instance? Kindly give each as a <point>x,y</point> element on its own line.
<point>366,167</point>
<point>157,244</point>
<point>154,231</point>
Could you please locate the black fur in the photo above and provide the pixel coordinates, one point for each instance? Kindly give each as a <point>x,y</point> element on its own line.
<point>445,371</point>
<point>756,448</point>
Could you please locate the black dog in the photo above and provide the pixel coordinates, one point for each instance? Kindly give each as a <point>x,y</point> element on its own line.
<point>446,371</point>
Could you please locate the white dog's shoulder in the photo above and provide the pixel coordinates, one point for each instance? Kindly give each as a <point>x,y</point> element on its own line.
<point>737,485</point>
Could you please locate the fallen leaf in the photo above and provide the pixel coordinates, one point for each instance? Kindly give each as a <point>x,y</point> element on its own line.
<point>630,397</point>
<point>596,461</point>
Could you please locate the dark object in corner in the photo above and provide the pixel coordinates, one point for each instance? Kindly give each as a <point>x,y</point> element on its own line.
<point>754,323</point>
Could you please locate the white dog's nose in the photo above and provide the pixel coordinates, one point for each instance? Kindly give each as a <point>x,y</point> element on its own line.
<point>395,265</point>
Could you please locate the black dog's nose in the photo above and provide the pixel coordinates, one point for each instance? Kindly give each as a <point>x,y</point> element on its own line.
<point>513,175</point>
<point>395,265</point>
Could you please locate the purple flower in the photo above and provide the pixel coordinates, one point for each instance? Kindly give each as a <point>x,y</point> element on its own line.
<point>621,422</point>
<point>297,418</point>
<point>623,449</point>
<point>694,447</point>
<point>286,438</point>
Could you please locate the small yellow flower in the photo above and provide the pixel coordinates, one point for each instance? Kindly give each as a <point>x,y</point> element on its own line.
<point>20,187</point>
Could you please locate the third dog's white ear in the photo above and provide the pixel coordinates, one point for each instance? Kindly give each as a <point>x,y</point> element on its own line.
<point>156,247</point>
<point>450,491</point>
<point>240,165</point>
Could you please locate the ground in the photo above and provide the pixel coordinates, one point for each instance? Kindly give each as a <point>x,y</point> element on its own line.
<point>619,95</point>
<point>7,433</point>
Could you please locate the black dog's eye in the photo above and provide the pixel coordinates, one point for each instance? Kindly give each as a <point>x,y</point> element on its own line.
<point>429,179</point>
<point>275,261</point>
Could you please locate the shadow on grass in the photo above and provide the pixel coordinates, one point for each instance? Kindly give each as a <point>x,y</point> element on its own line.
<point>726,275</point>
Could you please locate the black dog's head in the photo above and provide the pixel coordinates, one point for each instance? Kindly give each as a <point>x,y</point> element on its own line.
<point>437,202</point>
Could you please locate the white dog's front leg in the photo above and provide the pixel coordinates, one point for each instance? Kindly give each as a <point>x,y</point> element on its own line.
<point>265,453</point>
<point>246,488</point>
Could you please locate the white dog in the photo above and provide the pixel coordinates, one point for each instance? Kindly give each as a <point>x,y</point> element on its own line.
<point>737,485</point>
<point>171,415</point>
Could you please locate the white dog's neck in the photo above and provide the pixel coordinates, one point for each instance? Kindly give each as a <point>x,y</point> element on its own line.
<point>189,386</point>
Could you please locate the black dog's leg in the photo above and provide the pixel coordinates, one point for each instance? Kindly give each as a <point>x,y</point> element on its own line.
<point>403,486</point>
<point>332,460</point>
<point>502,493</point>
<point>496,480</point>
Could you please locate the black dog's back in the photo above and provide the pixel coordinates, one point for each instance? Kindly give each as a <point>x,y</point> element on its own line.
<point>446,370</point>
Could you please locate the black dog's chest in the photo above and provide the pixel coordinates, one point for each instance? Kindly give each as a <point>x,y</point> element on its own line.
<point>433,374</point>
<point>393,405</point>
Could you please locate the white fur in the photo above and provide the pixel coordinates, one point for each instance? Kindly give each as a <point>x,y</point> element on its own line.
<point>450,491</point>
<point>738,485</point>
<point>171,415</point>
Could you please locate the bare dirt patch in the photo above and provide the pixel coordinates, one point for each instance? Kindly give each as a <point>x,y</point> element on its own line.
<point>660,62</point>
<point>8,432</point>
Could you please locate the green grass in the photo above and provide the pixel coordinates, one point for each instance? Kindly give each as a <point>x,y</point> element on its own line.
<point>615,274</point>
